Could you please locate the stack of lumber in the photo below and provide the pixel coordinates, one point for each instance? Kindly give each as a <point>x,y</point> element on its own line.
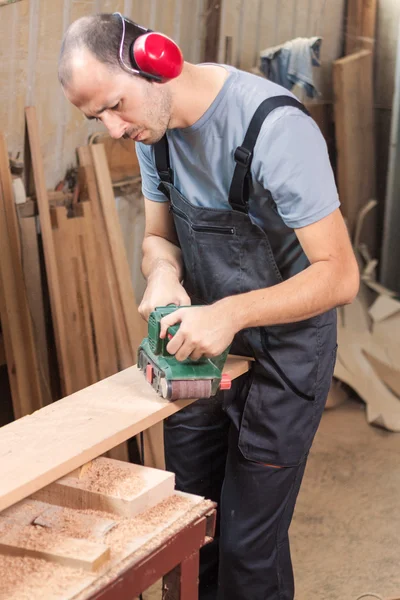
<point>85,277</point>
<point>96,323</point>
<point>18,346</point>
<point>97,327</point>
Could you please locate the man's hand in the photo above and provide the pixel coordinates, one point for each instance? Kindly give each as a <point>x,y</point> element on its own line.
<point>204,331</point>
<point>163,288</point>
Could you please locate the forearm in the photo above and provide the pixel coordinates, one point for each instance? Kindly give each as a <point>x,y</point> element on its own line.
<point>315,290</point>
<point>161,254</point>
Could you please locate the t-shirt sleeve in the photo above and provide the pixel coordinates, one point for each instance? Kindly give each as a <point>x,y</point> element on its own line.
<point>148,172</point>
<point>291,161</point>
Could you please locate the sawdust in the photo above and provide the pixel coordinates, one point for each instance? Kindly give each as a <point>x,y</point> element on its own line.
<point>35,579</point>
<point>147,525</point>
<point>39,539</point>
<point>112,480</point>
<point>75,523</point>
<point>31,578</point>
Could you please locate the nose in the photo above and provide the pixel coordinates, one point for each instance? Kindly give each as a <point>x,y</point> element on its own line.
<point>114,124</point>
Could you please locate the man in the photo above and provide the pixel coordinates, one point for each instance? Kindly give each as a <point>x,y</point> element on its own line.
<point>242,219</point>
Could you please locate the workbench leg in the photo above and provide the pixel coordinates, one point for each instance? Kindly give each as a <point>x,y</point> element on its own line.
<point>183,582</point>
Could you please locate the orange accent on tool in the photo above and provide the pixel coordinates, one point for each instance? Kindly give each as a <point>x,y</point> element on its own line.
<point>170,336</point>
<point>149,373</point>
<point>226,382</point>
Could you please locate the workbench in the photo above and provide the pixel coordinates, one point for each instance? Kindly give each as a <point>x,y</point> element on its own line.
<point>163,542</point>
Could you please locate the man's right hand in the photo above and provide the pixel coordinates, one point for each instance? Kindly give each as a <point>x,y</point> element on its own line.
<point>163,288</point>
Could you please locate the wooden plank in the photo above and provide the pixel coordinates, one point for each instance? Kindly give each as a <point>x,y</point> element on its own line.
<point>25,365</point>
<point>248,34</point>
<point>81,427</point>
<point>58,518</point>
<point>121,156</point>
<point>43,544</point>
<point>81,362</point>
<point>360,25</point>
<point>134,324</point>
<point>112,340</point>
<point>212,27</point>
<point>34,285</point>
<point>3,359</point>
<point>49,249</point>
<point>111,486</point>
<point>108,335</point>
<point>355,138</point>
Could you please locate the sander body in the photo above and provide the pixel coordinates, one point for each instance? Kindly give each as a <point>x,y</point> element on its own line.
<point>173,379</point>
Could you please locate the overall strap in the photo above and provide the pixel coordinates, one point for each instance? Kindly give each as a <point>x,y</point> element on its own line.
<point>165,173</point>
<point>239,190</point>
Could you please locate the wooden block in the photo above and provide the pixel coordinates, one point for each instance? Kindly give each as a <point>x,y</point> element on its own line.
<point>36,542</point>
<point>111,486</point>
<point>52,442</point>
<point>75,522</point>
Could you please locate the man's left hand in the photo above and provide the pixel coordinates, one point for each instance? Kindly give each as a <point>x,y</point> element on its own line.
<point>204,331</point>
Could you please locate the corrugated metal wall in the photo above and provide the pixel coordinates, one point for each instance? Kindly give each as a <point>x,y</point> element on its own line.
<point>30,38</point>
<point>255,25</point>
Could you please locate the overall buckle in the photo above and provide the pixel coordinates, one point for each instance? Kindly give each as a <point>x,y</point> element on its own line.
<point>243,156</point>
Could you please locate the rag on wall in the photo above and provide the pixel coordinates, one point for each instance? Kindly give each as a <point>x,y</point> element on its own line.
<point>292,64</point>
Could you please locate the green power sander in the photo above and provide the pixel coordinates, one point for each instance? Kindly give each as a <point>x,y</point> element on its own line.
<point>171,378</point>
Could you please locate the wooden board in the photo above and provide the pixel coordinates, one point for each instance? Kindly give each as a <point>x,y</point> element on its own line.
<point>49,249</point>
<point>134,324</point>
<point>43,544</point>
<point>41,448</point>
<point>111,486</point>
<point>360,25</point>
<point>3,359</point>
<point>22,360</point>
<point>121,156</point>
<point>31,264</point>
<point>68,233</point>
<point>57,518</point>
<point>355,137</point>
<point>113,331</point>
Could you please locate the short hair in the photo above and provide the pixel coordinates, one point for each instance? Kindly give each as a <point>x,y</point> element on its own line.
<point>101,35</point>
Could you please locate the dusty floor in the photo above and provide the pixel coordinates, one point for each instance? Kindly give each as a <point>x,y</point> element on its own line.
<point>346,529</point>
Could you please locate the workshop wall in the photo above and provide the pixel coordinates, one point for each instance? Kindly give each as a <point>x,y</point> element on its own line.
<point>30,39</point>
<point>255,25</point>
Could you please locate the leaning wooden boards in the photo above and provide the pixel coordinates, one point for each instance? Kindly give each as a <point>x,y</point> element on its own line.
<point>355,133</point>
<point>40,448</point>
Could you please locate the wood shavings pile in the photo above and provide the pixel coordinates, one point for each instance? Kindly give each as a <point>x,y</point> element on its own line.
<point>31,578</point>
<point>111,480</point>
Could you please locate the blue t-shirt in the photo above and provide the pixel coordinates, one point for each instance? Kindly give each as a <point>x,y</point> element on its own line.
<point>292,179</point>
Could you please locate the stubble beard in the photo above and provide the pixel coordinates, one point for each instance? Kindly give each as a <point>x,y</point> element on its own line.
<point>159,113</point>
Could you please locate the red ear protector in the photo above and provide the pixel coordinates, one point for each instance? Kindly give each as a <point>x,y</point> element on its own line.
<point>155,55</point>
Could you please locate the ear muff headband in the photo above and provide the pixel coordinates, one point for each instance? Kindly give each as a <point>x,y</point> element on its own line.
<point>157,57</point>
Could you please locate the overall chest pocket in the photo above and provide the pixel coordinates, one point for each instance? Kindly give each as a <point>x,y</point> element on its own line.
<point>211,255</point>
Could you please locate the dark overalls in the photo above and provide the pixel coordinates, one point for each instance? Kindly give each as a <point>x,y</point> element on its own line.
<point>228,448</point>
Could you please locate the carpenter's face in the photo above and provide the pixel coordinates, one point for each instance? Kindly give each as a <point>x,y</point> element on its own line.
<point>128,105</point>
